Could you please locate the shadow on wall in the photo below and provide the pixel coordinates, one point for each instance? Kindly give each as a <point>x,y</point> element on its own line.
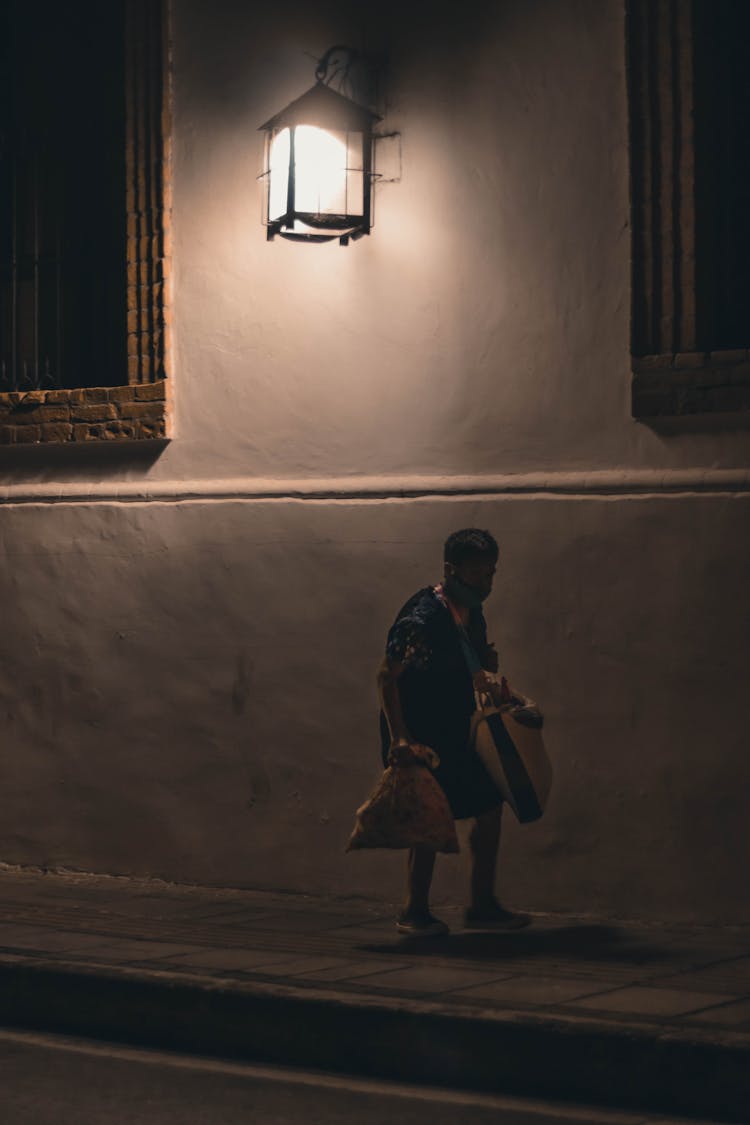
<point>73,462</point>
<point>676,426</point>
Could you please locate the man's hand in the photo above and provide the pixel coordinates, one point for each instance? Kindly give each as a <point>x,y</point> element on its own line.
<point>485,682</point>
<point>400,753</point>
<point>403,753</point>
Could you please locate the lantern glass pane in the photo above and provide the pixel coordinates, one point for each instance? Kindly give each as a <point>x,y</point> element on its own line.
<point>355,179</point>
<point>320,171</point>
<point>278,175</point>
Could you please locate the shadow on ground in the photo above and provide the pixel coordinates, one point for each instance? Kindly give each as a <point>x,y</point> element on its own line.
<point>590,942</point>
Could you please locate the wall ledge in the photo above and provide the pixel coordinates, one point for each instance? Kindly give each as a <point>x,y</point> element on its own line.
<point>611,482</point>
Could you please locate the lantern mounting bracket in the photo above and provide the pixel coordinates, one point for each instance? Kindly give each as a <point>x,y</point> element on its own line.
<point>350,72</point>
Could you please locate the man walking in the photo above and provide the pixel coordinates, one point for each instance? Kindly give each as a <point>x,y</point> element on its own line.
<point>427,696</point>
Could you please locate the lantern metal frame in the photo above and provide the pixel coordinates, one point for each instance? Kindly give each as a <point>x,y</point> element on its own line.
<point>325,109</point>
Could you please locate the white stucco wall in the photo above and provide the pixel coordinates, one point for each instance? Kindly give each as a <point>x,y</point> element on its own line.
<point>186,687</point>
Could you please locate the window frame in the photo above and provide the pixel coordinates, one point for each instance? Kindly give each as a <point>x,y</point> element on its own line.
<point>140,409</point>
<point>672,376</point>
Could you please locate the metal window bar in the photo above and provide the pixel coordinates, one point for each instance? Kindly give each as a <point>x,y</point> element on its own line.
<point>31,274</point>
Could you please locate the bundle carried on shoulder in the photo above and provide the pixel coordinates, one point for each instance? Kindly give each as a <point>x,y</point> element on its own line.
<point>407,808</point>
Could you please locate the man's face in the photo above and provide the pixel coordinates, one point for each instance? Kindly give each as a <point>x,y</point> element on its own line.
<point>475,572</point>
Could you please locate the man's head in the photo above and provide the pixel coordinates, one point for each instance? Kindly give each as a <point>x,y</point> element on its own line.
<point>470,558</point>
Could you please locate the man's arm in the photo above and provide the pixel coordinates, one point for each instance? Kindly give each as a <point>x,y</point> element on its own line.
<point>390,701</point>
<point>486,651</point>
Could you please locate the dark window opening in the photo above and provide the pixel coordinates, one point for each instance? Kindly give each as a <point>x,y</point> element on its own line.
<point>721,34</point>
<point>62,195</point>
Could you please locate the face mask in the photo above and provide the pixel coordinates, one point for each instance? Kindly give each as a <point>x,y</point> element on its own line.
<point>462,594</point>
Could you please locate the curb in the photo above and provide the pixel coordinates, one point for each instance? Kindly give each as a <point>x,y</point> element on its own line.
<point>641,1066</point>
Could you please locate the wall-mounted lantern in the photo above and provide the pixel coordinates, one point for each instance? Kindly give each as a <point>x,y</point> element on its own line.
<point>318,165</point>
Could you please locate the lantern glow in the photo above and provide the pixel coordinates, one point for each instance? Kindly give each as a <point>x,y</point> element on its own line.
<point>321,171</point>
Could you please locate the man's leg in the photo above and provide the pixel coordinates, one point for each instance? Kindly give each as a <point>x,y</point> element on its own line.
<point>420,866</point>
<point>415,919</point>
<point>484,842</point>
<point>485,912</point>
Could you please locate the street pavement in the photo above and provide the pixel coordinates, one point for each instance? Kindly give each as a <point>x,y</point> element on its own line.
<point>51,1080</point>
<point>642,1017</point>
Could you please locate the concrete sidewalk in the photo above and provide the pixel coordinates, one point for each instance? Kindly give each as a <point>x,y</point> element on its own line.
<point>648,1018</point>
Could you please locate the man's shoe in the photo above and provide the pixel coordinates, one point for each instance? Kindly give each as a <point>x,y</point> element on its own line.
<point>494,917</point>
<point>421,925</point>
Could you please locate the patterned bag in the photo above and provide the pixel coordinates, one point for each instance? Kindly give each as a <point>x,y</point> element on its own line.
<point>407,808</point>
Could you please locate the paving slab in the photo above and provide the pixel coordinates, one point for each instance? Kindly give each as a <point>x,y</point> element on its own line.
<point>711,979</point>
<point>124,952</point>
<point>299,966</point>
<point>536,990</point>
<point>46,940</point>
<point>730,975</point>
<point>228,959</point>
<point>351,971</point>
<point>296,921</point>
<point>728,1015</point>
<point>434,979</point>
<point>647,1001</point>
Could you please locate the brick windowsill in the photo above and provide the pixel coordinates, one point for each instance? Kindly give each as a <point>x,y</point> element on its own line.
<point>690,383</point>
<point>132,413</point>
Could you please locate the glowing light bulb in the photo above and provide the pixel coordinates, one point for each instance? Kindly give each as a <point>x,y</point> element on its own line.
<point>325,184</point>
<point>320,171</point>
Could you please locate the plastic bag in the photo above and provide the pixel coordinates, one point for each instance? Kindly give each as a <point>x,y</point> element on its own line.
<point>407,808</point>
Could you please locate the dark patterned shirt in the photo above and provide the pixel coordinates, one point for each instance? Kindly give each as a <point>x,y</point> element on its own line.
<point>437,695</point>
